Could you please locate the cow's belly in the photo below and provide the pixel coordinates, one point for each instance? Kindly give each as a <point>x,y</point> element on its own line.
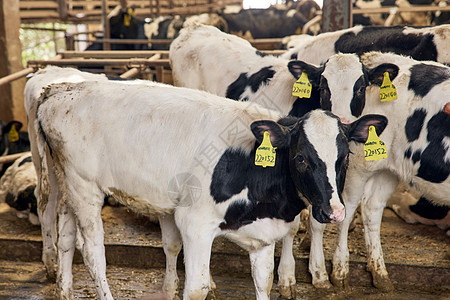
<point>259,233</point>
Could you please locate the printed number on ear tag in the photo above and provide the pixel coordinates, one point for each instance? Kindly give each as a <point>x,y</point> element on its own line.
<point>265,154</point>
<point>388,92</point>
<point>13,135</point>
<point>302,87</point>
<point>374,148</point>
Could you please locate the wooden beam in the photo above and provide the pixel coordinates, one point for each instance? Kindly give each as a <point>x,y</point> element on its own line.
<point>11,94</point>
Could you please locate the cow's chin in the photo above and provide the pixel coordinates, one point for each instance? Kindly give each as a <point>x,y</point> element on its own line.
<point>328,215</point>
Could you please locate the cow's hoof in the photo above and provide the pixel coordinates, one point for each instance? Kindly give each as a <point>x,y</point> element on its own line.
<point>383,283</point>
<point>323,285</point>
<point>213,295</point>
<point>51,275</point>
<point>341,283</point>
<point>287,292</point>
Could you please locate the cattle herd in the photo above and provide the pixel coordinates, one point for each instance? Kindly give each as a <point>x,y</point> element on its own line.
<point>276,153</point>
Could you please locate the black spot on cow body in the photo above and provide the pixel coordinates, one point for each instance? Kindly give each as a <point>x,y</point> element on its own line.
<point>428,210</point>
<point>325,94</point>
<point>433,166</point>
<point>388,39</point>
<point>414,124</point>
<point>416,156</point>
<point>24,161</point>
<point>424,77</point>
<point>237,88</point>
<point>262,54</point>
<point>408,153</point>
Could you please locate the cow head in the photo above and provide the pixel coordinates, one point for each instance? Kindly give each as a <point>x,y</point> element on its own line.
<point>317,147</point>
<point>342,83</point>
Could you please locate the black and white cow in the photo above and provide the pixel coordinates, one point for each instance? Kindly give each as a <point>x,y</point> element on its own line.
<point>427,43</point>
<point>224,195</point>
<point>417,140</point>
<point>405,18</point>
<point>123,24</point>
<point>12,141</point>
<point>17,188</point>
<point>265,23</point>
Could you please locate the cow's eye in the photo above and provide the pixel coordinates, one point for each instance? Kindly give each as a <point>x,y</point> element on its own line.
<point>300,159</point>
<point>362,89</point>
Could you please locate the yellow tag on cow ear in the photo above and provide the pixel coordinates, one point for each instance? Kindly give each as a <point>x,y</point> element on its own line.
<point>13,135</point>
<point>126,20</point>
<point>374,148</point>
<point>302,87</point>
<point>388,92</point>
<point>265,154</point>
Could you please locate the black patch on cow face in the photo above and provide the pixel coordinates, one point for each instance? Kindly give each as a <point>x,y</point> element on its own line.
<point>414,124</point>
<point>388,39</point>
<point>359,97</point>
<point>325,94</point>
<point>24,161</point>
<point>302,106</point>
<point>428,210</point>
<point>294,56</point>
<point>237,88</point>
<point>433,167</point>
<point>424,77</point>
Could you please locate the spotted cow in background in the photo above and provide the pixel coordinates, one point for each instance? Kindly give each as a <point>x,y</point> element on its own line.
<point>428,43</point>
<point>12,141</point>
<point>417,153</point>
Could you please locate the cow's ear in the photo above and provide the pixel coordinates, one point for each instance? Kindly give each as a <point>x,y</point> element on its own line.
<point>358,131</point>
<point>279,134</point>
<point>376,74</point>
<point>296,67</point>
<point>18,125</point>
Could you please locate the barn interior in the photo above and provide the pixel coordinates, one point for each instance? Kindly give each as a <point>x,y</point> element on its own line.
<point>417,256</point>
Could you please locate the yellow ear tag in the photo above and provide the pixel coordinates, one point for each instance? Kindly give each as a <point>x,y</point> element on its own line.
<point>388,92</point>
<point>374,148</point>
<point>13,135</point>
<point>302,87</point>
<point>265,154</point>
<point>126,20</point>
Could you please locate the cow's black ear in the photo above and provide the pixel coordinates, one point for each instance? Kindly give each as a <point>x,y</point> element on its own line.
<point>376,74</point>
<point>296,67</point>
<point>279,134</point>
<point>358,131</point>
<point>18,125</point>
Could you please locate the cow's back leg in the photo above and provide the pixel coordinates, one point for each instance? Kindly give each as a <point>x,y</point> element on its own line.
<point>172,243</point>
<point>66,247</point>
<point>86,201</point>
<point>286,268</point>
<point>48,196</point>
<point>262,270</point>
<point>316,257</point>
<point>382,187</point>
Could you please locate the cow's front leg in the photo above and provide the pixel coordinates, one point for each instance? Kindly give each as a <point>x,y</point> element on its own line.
<point>382,187</point>
<point>286,268</point>
<point>316,258</point>
<point>262,270</point>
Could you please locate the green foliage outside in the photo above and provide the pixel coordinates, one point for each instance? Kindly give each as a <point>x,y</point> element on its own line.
<point>40,44</point>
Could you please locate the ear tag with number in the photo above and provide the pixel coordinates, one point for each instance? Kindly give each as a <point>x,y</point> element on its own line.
<point>374,148</point>
<point>302,87</point>
<point>265,154</point>
<point>13,135</point>
<point>388,92</point>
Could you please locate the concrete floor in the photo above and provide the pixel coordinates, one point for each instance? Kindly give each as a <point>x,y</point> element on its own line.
<point>417,258</point>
